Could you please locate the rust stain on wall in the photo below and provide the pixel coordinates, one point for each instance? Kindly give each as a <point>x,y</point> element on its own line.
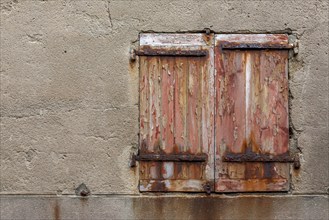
<point>57,211</point>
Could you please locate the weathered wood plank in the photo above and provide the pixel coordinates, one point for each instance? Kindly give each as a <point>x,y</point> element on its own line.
<point>256,40</point>
<point>208,114</point>
<point>267,111</point>
<point>190,185</point>
<point>169,40</point>
<point>252,185</point>
<point>230,111</point>
<point>194,106</point>
<point>251,177</point>
<point>167,104</point>
<point>154,104</point>
<point>181,76</point>
<point>230,119</point>
<point>205,107</point>
<point>144,104</point>
<point>155,170</point>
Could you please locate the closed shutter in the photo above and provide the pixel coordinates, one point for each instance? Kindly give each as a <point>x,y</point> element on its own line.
<point>176,112</point>
<point>251,113</point>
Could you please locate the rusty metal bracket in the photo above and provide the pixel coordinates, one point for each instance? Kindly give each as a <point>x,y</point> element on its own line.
<point>168,158</point>
<point>293,41</point>
<point>253,157</point>
<point>236,45</point>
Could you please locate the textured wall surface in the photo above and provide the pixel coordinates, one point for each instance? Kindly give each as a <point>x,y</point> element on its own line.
<point>166,207</point>
<point>69,95</point>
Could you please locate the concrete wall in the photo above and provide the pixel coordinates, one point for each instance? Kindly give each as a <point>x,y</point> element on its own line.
<point>69,96</point>
<point>166,207</point>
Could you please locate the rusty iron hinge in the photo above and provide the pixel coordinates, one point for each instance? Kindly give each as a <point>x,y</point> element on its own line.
<point>293,41</point>
<point>168,158</point>
<point>237,45</point>
<point>254,157</point>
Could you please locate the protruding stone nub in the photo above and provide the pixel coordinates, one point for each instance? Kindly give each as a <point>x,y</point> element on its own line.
<point>82,190</point>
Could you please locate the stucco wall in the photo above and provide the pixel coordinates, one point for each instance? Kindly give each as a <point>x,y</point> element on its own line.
<point>69,95</point>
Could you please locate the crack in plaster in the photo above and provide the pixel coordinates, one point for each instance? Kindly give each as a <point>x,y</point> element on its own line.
<point>109,13</point>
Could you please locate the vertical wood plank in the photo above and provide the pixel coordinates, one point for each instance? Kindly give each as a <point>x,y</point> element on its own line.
<point>230,114</point>
<point>207,101</point>
<point>144,104</point>
<point>181,76</point>
<point>207,114</point>
<point>195,170</point>
<point>231,105</point>
<point>167,104</point>
<point>267,110</point>
<point>278,88</point>
<point>194,108</point>
<point>154,104</point>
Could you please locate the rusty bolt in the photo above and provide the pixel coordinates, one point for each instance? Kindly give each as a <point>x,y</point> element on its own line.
<point>82,190</point>
<point>207,30</point>
<point>207,188</point>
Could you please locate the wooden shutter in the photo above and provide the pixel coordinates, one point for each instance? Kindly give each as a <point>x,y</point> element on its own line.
<point>176,112</point>
<point>251,113</point>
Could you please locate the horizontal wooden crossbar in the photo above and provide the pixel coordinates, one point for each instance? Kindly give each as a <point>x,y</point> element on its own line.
<point>172,157</point>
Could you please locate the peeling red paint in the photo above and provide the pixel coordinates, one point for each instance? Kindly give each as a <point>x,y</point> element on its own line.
<point>176,116</point>
<point>182,99</point>
<point>252,115</point>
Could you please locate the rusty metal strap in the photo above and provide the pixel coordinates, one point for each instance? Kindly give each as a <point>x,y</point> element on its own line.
<point>232,46</point>
<point>162,52</point>
<point>172,157</point>
<point>240,158</point>
<point>252,157</point>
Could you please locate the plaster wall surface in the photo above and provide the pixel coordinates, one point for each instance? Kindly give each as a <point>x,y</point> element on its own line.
<point>69,95</point>
<point>166,207</point>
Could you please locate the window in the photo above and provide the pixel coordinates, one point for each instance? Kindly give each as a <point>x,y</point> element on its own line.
<point>213,112</point>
